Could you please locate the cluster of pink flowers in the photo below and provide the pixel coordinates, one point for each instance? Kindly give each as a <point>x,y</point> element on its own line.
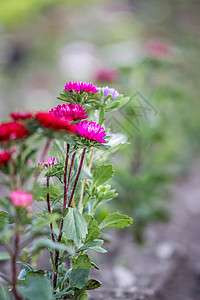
<point>108,75</point>
<point>91,131</point>
<point>20,198</point>
<point>81,86</point>
<point>48,163</point>
<point>70,111</point>
<point>12,130</point>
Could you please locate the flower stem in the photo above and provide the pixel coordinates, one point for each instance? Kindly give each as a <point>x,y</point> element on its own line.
<point>66,189</point>
<point>14,267</point>
<point>49,208</point>
<point>77,177</point>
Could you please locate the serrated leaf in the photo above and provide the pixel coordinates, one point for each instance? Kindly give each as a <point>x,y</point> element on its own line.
<point>94,245</point>
<point>81,262</point>
<point>75,226</point>
<point>93,228</point>
<point>92,284</point>
<point>48,244</point>
<point>102,173</point>
<point>36,287</point>
<point>116,220</point>
<point>78,278</point>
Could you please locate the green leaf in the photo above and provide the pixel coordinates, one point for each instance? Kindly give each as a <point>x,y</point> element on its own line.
<point>92,284</point>
<point>102,173</point>
<point>4,256</point>
<point>82,262</point>
<point>94,245</point>
<point>78,278</point>
<point>116,220</point>
<point>48,244</point>
<point>75,226</point>
<point>93,228</point>
<point>4,295</point>
<point>36,287</point>
<point>83,295</point>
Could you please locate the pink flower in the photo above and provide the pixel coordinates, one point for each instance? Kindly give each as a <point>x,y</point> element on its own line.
<point>48,163</point>
<point>158,50</point>
<point>21,198</point>
<point>70,111</point>
<point>81,86</point>
<point>91,131</point>
<point>108,75</point>
<point>25,115</point>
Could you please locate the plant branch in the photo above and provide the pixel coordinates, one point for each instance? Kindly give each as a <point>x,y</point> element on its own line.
<point>43,156</point>
<point>49,209</point>
<point>14,266</point>
<point>77,177</point>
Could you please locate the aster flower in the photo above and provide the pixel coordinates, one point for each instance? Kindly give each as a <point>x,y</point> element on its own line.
<point>91,131</point>
<point>48,120</point>
<point>70,111</point>
<point>12,130</point>
<point>48,163</point>
<point>109,91</point>
<point>21,198</point>
<point>25,115</point>
<point>81,86</point>
<point>4,157</point>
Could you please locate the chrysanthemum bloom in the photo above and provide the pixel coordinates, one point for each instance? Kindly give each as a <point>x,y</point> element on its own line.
<point>70,111</point>
<point>21,198</point>
<point>12,130</point>
<point>25,115</point>
<point>91,131</point>
<point>81,86</point>
<point>48,120</point>
<point>109,91</point>
<point>4,157</point>
<point>108,75</point>
<point>48,163</point>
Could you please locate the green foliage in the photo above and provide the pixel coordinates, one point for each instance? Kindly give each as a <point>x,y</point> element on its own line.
<point>101,174</point>
<point>4,256</point>
<point>116,220</point>
<point>75,226</point>
<point>36,287</point>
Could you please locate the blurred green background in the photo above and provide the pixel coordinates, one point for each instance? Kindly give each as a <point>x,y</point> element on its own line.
<point>148,50</point>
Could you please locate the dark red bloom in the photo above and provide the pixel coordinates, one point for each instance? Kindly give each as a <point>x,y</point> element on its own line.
<point>48,120</point>
<point>25,115</point>
<point>12,130</point>
<point>4,157</point>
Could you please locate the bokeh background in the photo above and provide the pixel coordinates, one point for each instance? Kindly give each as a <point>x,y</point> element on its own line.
<point>148,50</point>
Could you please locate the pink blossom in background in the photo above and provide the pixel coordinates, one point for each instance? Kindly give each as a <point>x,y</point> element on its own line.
<point>21,198</point>
<point>5,156</point>
<point>106,75</point>
<point>25,115</point>
<point>81,86</point>
<point>48,163</point>
<point>91,131</point>
<point>158,50</point>
<point>70,111</point>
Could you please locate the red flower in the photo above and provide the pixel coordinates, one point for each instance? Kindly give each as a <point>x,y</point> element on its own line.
<point>12,130</point>
<point>25,115</point>
<point>48,120</point>
<point>4,157</point>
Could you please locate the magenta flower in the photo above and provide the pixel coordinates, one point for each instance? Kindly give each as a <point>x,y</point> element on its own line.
<point>81,86</point>
<point>70,111</point>
<point>21,198</point>
<point>48,163</point>
<point>91,131</point>
<point>109,91</point>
